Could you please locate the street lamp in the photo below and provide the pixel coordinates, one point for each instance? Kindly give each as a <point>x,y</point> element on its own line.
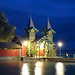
<point>25,43</point>
<point>60,45</point>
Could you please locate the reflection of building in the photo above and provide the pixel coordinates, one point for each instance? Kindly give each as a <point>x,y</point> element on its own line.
<point>43,45</point>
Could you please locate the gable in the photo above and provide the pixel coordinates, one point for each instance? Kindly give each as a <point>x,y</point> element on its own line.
<point>44,39</point>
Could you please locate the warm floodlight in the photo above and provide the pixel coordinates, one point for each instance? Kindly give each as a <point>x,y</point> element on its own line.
<point>25,43</point>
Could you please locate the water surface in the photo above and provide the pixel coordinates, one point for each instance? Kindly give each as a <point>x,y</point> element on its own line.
<point>36,68</point>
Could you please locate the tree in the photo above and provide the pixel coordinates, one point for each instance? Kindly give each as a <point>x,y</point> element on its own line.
<point>7,32</point>
<point>32,52</point>
<point>52,53</point>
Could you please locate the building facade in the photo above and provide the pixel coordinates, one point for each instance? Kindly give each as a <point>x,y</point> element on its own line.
<point>42,46</point>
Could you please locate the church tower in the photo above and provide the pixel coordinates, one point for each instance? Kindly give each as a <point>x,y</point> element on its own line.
<point>48,31</point>
<point>31,30</point>
<point>31,34</point>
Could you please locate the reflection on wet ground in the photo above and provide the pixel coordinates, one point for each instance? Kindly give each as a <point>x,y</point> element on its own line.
<point>36,68</point>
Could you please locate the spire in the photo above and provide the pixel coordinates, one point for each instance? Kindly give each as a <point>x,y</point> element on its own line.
<point>48,25</point>
<point>31,23</point>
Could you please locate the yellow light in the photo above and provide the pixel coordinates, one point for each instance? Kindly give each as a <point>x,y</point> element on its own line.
<point>38,64</point>
<point>42,46</point>
<point>25,43</point>
<point>66,54</point>
<point>60,44</point>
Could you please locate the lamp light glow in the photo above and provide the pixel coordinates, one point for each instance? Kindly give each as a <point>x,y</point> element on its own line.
<point>25,43</point>
<point>60,44</point>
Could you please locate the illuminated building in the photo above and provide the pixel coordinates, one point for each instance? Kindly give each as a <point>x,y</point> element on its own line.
<point>43,46</point>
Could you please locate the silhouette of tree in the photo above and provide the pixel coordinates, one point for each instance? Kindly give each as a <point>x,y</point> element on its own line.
<point>7,32</point>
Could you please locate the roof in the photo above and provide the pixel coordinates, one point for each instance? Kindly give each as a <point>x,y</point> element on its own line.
<point>30,25</point>
<point>18,39</point>
<point>42,38</point>
<point>48,27</point>
<point>9,45</point>
<point>45,38</point>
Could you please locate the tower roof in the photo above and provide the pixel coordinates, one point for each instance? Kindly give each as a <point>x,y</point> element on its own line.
<point>48,25</point>
<point>48,28</point>
<point>31,25</point>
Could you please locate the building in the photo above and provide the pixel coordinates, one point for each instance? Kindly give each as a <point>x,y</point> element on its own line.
<point>10,49</point>
<point>42,46</point>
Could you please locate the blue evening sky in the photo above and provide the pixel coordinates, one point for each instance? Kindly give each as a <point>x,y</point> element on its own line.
<point>60,12</point>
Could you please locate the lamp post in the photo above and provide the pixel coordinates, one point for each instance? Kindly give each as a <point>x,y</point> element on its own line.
<point>60,45</point>
<point>25,43</point>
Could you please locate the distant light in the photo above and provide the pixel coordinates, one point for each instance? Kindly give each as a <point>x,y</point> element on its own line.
<point>59,44</point>
<point>67,54</point>
<point>25,43</point>
<point>38,64</point>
